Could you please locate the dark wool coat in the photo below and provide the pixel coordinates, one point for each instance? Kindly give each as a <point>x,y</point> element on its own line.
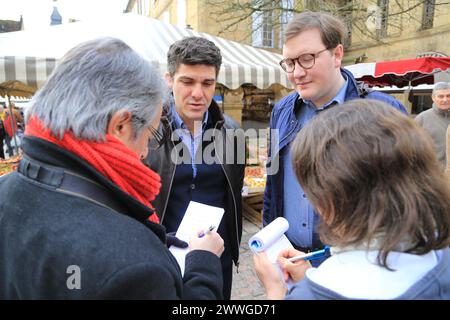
<point>57,245</point>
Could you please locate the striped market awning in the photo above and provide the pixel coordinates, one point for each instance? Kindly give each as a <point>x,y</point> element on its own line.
<point>30,56</point>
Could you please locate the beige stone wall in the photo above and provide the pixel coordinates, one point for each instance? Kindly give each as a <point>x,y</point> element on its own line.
<point>232,104</point>
<point>405,38</point>
<point>208,22</point>
<point>157,10</point>
<point>199,16</point>
<point>280,92</point>
<point>406,47</point>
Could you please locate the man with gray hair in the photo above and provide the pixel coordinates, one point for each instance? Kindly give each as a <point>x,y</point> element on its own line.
<point>437,119</point>
<point>76,219</point>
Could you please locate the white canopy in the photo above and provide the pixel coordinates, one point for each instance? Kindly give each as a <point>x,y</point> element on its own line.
<point>30,56</point>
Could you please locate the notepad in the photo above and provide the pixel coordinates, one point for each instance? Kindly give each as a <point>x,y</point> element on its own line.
<point>271,239</point>
<point>198,216</point>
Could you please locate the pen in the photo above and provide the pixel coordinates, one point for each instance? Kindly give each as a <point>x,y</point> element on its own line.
<point>312,255</point>
<point>203,233</point>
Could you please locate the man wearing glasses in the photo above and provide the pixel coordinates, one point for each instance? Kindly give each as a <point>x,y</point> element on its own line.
<point>436,120</point>
<point>189,163</point>
<point>313,53</point>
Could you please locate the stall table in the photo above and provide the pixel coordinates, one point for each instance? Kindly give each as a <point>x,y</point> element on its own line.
<point>252,204</point>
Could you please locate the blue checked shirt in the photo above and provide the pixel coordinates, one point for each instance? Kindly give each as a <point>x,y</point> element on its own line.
<point>192,142</point>
<point>297,209</point>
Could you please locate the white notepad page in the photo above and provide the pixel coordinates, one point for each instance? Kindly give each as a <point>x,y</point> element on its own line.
<point>198,217</point>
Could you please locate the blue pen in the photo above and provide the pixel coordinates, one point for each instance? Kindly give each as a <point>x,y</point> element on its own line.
<point>312,255</point>
<point>203,233</point>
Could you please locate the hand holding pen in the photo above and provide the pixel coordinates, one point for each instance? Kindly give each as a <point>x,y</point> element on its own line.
<point>205,232</point>
<point>292,265</point>
<point>319,254</point>
<point>207,240</point>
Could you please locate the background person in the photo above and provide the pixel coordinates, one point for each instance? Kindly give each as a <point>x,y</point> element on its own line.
<point>76,220</point>
<point>2,139</point>
<point>437,119</point>
<point>11,129</point>
<point>384,204</point>
<point>448,153</point>
<point>192,114</point>
<point>313,51</point>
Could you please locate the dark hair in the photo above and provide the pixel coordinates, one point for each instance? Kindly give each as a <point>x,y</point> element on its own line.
<point>371,171</point>
<point>332,29</point>
<point>192,51</point>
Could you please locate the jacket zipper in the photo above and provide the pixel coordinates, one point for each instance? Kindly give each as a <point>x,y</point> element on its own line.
<point>286,136</point>
<point>171,182</point>
<point>234,200</point>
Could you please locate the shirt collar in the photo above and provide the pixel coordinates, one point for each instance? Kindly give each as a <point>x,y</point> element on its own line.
<point>179,123</point>
<point>339,98</point>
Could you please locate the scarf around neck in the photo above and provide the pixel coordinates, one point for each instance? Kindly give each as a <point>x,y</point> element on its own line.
<point>111,158</point>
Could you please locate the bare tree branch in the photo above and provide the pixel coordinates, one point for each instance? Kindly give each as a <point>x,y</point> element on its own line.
<point>229,14</point>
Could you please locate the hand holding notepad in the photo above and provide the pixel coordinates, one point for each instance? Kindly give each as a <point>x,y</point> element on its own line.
<point>271,239</point>
<point>198,217</point>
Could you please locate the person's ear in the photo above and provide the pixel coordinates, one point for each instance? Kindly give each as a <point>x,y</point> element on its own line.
<point>120,125</point>
<point>338,55</point>
<point>169,80</point>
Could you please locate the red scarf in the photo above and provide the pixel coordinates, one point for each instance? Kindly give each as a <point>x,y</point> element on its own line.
<point>111,158</point>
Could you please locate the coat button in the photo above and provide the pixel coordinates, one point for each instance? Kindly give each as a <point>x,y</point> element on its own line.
<point>193,186</point>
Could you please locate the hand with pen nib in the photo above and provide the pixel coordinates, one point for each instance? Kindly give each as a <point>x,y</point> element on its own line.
<point>293,264</point>
<point>207,239</point>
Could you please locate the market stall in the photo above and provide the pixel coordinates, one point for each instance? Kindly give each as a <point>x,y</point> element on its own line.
<point>400,73</point>
<point>9,165</point>
<point>253,192</point>
<point>29,56</point>
<point>254,182</point>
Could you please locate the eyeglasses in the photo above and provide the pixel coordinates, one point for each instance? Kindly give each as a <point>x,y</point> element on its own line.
<point>157,139</point>
<point>158,135</point>
<point>306,61</point>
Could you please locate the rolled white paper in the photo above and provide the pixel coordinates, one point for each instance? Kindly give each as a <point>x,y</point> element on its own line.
<point>268,235</point>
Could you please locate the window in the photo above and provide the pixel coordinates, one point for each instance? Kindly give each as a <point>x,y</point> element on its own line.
<point>166,16</point>
<point>285,17</point>
<point>428,14</point>
<point>262,26</point>
<point>347,17</point>
<point>267,30</point>
<point>181,13</point>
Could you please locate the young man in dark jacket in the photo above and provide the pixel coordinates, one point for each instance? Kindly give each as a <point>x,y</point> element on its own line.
<point>201,161</point>
<point>76,220</point>
<point>313,53</point>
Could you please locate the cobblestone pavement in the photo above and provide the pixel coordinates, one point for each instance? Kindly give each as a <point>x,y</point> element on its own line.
<point>246,285</point>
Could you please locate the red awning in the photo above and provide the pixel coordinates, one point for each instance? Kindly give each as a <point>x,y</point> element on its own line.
<point>400,73</point>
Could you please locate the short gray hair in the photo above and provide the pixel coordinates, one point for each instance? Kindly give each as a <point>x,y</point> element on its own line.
<point>93,81</point>
<point>440,86</point>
